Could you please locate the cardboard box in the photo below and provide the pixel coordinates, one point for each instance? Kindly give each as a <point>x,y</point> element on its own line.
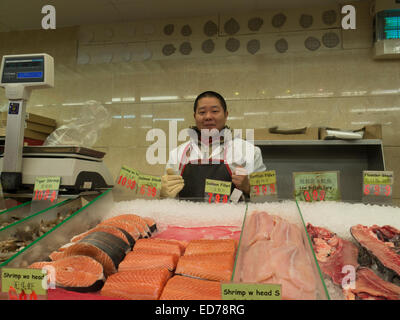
<point>30,117</point>
<point>265,134</point>
<point>370,132</point>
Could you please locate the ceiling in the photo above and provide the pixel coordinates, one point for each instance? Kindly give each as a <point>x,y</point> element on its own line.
<point>26,14</point>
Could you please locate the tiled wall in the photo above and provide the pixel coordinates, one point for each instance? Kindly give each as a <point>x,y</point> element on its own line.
<point>123,67</point>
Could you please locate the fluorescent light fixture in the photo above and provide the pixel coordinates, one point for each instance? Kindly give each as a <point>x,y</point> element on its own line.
<point>353,93</point>
<point>128,99</point>
<point>159,98</point>
<point>146,116</point>
<point>375,109</point>
<point>168,119</point>
<point>379,92</point>
<point>73,104</point>
<point>116,99</point>
<point>255,113</point>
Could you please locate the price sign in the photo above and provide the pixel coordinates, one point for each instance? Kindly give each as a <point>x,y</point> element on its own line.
<point>23,284</point>
<point>377,186</point>
<point>263,186</point>
<point>217,191</point>
<point>128,178</point>
<point>46,188</point>
<point>316,186</point>
<point>246,291</point>
<point>149,186</point>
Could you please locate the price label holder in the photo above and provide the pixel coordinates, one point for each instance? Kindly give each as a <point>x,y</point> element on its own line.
<point>149,187</point>
<point>217,191</point>
<point>247,291</point>
<point>45,193</point>
<point>23,284</point>
<point>263,186</point>
<point>127,180</point>
<point>316,186</point>
<point>377,187</point>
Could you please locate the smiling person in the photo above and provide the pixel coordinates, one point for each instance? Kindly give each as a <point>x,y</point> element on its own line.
<point>210,153</point>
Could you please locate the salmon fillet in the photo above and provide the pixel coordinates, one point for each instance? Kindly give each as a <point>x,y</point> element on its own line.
<point>211,246</point>
<point>160,246</point>
<point>136,284</point>
<point>142,259</point>
<point>218,266</point>
<point>77,273</point>
<point>185,288</point>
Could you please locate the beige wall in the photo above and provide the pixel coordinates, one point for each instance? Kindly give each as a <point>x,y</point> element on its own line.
<point>339,87</point>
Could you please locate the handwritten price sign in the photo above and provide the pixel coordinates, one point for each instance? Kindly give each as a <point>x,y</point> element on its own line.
<point>217,191</point>
<point>263,186</point>
<point>149,186</point>
<point>23,284</point>
<point>46,188</point>
<point>316,186</point>
<point>377,186</point>
<point>127,178</point>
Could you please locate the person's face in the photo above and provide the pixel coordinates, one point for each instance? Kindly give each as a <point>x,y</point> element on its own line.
<point>210,114</point>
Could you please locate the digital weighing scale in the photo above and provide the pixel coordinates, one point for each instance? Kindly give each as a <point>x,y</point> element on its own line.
<point>80,169</point>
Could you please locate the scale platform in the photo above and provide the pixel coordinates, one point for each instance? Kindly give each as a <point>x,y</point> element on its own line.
<point>81,169</point>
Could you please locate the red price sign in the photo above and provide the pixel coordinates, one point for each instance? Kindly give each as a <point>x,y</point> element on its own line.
<point>315,195</point>
<point>13,295</point>
<point>217,198</point>
<point>45,195</point>
<point>378,190</point>
<point>265,189</point>
<point>126,182</point>
<point>148,191</point>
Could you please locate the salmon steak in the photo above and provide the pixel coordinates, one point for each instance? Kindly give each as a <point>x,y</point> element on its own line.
<point>127,226</point>
<point>120,233</point>
<point>205,246</point>
<point>136,284</point>
<point>186,288</point>
<point>217,266</point>
<point>136,220</point>
<point>143,259</point>
<point>76,273</point>
<point>106,248</point>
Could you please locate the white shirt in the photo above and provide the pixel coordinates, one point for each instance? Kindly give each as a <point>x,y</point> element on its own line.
<point>235,151</point>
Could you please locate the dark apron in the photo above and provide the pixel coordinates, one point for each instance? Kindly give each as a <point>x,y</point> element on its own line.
<point>195,175</point>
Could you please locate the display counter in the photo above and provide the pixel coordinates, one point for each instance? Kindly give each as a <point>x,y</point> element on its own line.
<point>249,226</point>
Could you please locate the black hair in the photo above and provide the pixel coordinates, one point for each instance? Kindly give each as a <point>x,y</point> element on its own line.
<point>210,94</point>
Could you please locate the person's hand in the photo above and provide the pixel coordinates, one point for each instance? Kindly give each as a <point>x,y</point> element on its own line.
<point>241,180</point>
<point>171,184</point>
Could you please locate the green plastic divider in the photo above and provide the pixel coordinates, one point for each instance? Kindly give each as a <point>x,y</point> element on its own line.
<point>240,240</point>
<point>54,228</point>
<point>315,258</point>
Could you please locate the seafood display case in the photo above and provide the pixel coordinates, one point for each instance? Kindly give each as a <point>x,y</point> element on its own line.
<point>357,247</point>
<point>275,248</point>
<point>34,237</point>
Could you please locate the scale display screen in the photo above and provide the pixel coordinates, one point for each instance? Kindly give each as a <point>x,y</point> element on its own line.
<point>23,69</point>
<point>388,25</point>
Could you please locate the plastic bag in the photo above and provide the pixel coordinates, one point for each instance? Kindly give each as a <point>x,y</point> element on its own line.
<point>84,130</point>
